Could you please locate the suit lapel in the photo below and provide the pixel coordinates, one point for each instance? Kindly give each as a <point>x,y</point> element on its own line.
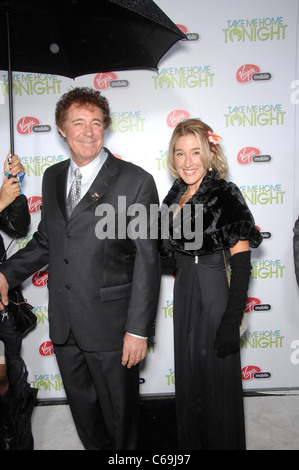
<point>61,188</point>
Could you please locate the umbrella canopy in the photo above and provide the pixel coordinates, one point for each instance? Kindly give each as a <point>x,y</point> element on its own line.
<point>78,37</point>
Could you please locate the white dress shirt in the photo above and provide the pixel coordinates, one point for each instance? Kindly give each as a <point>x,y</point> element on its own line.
<point>88,172</point>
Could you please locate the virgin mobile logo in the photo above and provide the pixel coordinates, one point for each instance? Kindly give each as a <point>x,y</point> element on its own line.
<point>252,155</point>
<point>29,124</point>
<point>254,304</point>
<point>176,116</point>
<point>34,204</point>
<point>250,72</point>
<point>254,372</point>
<point>46,349</point>
<point>40,278</point>
<point>189,36</point>
<point>248,372</point>
<point>102,81</point>
<point>26,124</point>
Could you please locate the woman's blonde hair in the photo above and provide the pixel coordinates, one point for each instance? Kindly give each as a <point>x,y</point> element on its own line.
<point>201,131</point>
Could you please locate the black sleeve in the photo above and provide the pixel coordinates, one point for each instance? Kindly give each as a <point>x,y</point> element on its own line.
<point>15,218</point>
<point>239,221</point>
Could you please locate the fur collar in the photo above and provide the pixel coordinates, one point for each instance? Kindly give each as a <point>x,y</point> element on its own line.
<point>226,216</point>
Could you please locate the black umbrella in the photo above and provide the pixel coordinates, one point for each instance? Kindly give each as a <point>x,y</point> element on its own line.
<point>78,37</point>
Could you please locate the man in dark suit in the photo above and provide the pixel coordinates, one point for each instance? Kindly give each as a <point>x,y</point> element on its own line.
<point>103,291</point>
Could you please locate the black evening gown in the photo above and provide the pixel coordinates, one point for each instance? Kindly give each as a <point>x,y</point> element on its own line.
<point>209,393</point>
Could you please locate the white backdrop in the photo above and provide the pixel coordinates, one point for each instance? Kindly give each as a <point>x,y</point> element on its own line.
<point>239,72</point>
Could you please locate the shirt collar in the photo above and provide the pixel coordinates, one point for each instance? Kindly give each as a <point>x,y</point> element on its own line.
<point>91,168</point>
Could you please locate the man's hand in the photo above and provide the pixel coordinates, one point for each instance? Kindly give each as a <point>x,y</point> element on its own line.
<point>3,292</point>
<point>134,349</point>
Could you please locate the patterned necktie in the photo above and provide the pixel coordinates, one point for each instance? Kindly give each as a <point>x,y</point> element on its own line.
<point>74,194</point>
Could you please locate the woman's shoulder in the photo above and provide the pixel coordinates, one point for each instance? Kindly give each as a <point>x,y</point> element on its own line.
<point>228,189</point>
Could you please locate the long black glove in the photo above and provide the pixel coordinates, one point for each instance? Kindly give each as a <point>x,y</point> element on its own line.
<point>228,334</point>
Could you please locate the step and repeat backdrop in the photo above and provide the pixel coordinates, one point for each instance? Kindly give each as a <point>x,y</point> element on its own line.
<point>238,71</point>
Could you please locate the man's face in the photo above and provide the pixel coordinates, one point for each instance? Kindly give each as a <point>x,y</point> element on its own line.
<point>84,132</point>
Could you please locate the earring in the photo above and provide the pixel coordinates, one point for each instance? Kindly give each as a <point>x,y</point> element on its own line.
<point>210,167</point>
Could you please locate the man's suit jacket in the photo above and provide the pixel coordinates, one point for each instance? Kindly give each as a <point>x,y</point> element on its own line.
<point>98,288</point>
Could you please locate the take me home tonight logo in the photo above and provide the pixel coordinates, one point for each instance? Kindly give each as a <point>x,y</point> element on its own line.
<point>31,84</point>
<point>194,76</point>
<point>255,29</point>
<point>255,115</point>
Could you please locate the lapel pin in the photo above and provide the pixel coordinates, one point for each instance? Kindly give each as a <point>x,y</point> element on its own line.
<point>95,197</point>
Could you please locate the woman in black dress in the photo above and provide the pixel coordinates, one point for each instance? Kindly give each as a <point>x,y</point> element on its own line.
<point>207,312</point>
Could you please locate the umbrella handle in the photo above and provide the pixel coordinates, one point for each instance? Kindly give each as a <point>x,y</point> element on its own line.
<point>10,90</point>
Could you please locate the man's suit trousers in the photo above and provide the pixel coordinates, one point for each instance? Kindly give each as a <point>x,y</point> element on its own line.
<point>103,396</point>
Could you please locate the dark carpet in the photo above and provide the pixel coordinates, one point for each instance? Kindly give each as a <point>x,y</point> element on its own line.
<point>158,424</point>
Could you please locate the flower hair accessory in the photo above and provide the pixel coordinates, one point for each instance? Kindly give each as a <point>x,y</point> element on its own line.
<point>214,138</point>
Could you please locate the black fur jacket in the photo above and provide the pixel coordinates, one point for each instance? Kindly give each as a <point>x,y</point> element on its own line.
<point>226,217</point>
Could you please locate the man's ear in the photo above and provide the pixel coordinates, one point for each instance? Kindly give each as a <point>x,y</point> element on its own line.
<point>61,132</point>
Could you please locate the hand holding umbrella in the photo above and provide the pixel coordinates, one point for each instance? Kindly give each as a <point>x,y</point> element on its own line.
<point>14,169</point>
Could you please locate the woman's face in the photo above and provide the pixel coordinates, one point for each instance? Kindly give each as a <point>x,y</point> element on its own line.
<point>188,162</point>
